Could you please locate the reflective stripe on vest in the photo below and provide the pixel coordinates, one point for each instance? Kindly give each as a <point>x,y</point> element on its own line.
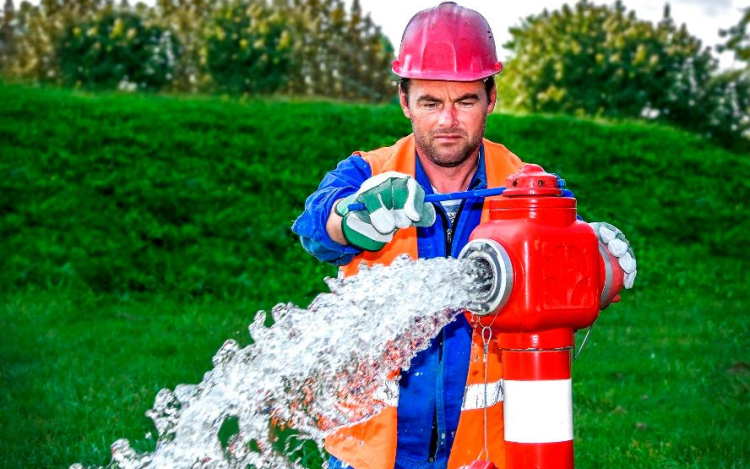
<point>479,396</point>
<point>476,396</point>
<point>372,444</point>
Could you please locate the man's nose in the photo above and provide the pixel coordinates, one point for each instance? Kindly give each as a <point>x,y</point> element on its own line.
<point>448,117</point>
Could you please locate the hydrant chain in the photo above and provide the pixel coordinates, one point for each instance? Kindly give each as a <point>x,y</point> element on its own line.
<point>486,337</point>
<point>585,338</point>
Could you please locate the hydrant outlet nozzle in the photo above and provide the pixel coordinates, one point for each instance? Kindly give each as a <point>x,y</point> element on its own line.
<point>492,256</point>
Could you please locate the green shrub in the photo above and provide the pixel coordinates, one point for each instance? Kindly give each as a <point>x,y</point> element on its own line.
<point>601,60</point>
<point>117,50</point>
<point>126,194</point>
<point>248,48</point>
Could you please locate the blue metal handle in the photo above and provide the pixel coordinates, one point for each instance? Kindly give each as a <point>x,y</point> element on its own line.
<point>450,196</point>
<point>480,193</point>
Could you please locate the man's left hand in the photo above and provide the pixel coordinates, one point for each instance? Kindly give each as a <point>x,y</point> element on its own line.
<point>619,246</point>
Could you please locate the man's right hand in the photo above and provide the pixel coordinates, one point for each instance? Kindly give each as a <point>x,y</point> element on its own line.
<point>392,200</point>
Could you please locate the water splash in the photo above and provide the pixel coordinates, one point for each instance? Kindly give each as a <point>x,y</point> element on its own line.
<point>315,369</point>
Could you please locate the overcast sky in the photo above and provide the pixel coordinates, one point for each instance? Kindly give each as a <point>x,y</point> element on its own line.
<point>704,18</point>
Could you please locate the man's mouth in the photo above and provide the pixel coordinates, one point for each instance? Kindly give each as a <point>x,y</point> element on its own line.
<point>448,137</point>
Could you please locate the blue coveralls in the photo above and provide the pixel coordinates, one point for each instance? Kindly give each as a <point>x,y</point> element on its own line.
<point>432,390</point>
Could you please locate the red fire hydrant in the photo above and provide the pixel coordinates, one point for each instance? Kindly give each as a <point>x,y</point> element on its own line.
<point>551,276</point>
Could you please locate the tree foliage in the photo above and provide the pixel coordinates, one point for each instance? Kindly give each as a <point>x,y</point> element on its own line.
<point>117,50</point>
<point>187,19</point>
<point>247,48</point>
<point>738,39</point>
<point>338,54</point>
<point>733,86</point>
<point>35,31</point>
<point>7,32</point>
<point>603,61</point>
<point>297,47</point>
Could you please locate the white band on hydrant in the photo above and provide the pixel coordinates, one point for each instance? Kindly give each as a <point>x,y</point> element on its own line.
<point>538,411</point>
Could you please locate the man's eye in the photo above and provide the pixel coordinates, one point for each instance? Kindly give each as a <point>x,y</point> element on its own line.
<point>466,103</point>
<point>430,105</point>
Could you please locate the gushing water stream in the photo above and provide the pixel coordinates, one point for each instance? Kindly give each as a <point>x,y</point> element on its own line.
<point>315,369</point>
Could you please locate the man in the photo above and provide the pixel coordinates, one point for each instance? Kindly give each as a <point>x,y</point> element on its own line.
<point>446,62</point>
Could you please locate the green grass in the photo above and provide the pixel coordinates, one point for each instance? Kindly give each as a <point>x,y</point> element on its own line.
<point>80,370</point>
<point>140,232</point>
<point>663,383</point>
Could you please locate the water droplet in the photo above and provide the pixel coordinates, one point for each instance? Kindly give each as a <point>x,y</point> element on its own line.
<point>225,353</point>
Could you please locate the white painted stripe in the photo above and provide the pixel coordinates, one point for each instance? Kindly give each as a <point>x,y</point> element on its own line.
<point>538,411</point>
<point>474,395</point>
<point>410,210</point>
<point>402,220</point>
<point>382,219</point>
<point>388,393</point>
<point>367,229</point>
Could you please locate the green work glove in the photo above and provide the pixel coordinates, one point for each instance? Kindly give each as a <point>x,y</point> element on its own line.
<point>619,246</point>
<point>392,200</point>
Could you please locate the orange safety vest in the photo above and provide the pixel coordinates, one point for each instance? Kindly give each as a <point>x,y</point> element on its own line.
<point>372,444</point>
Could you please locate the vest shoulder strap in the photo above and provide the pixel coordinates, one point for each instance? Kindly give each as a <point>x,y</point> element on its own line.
<point>398,157</point>
<point>499,163</point>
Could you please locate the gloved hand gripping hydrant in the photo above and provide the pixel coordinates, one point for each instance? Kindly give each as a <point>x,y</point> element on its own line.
<point>550,277</point>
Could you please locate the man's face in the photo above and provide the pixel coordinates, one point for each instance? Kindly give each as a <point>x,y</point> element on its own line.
<point>448,118</point>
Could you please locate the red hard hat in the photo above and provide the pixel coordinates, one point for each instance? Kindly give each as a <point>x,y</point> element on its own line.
<point>448,42</point>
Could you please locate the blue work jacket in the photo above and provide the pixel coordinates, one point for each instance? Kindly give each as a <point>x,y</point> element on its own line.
<point>431,390</point>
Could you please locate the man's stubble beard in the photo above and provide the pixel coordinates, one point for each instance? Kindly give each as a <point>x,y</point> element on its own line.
<point>433,154</point>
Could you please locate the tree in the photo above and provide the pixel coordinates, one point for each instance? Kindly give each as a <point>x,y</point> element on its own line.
<point>117,50</point>
<point>298,47</point>
<point>738,39</point>
<point>337,54</point>
<point>248,48</point>
<point>602,60</point>
<point>7,32</point>
<point>729,120</point>
<point>188,19</point>
<point>732,88</point>
<point>37,31</point>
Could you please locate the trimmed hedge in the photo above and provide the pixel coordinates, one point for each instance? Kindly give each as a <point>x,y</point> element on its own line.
<point>128,194</point>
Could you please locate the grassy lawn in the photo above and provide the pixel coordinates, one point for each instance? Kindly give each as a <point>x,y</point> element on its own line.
<point>661,382</point>
<point>140,232</point>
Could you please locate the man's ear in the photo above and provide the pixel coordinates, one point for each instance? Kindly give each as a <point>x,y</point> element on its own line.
<point>404,102</point>
<point>493,99</point>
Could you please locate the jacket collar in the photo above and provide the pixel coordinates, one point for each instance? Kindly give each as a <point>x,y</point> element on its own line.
<point>479,181</point>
